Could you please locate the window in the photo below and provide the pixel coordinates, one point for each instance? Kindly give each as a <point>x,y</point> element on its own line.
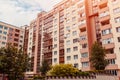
<point>55,32</point>
<point>5,33</point>
<point>75,48</point>
<point>118,29</point>
<point>55,52</point>
<point>55,38</point>
<point>73,11</point>
<point>0,36</point>
<point>84,45</point>
<point>74,25</point>
<point>73,18</point>
<point>68,50</point>
<point>11,29</point>
<point>75,57</point>
<point>5,28</point>
<point>68,58</point>
<point>116,10</point>
<point>84,55</point>
<point>17,35</point>
<point>55,20</point>
<point>16,40</point>
<point>55,60</point>
<point>21,36</point>
<point>68,28</point>
<point>4,38</point>
<point>17,30</point>
<point>1,26</point>
<point>81,7</point>
<point>111,61</point>
<point>85,64</point>
<point>67,15</point>
<point>0,31</point>
<point>21,41</point>
<point>82,22</point>
<point>75,40</point>
<point>74,33</point>
<point>82,37</point>
<point>68,35</point>
<point>68,42</point>
<point>103,14</point>
<point>55,26</point>
<point>118,39</point>
<point>107,31</point>
<point>107,41</point>
<point>55,45</point>
<point>76,65</point>
<point>3,43</point>
<point>114,2</point>
<point>68,20</point>
<point>117,20</point>
<point>20,45</point>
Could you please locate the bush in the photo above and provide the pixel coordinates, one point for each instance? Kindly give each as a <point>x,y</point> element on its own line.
<point>39,78</point>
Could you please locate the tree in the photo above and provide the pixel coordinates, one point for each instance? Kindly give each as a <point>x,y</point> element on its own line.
<point>97,58</point>
<point>44,68</point>
<point>13,62</point>
<point>63,70</point>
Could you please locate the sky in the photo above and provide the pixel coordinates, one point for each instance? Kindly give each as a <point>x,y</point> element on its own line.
<point>22,12</point>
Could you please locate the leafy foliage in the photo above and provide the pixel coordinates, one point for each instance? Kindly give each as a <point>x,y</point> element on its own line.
<point>98,57</point>
<point>13,62</point>
<point>63,70</point>
<point>44,68</point>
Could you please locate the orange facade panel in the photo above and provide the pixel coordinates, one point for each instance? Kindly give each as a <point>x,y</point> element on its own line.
<point>105,18</point>
<point>84,59</point>
<point>107,36</point>
<point>86,68</point>
<point>112,67</point>
<point>102,3</point>
<point>109,46</point>
<point>106,27</point>
<point>83,50</point>
<point>110,56</point>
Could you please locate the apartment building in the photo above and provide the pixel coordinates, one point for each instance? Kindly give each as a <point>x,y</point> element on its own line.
<point>11,34</point>
<point>65,34</point>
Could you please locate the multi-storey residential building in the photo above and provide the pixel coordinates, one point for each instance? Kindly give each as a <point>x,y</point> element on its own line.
<point>29,46</point>
<point>11,34</point>
<point>66,33</point>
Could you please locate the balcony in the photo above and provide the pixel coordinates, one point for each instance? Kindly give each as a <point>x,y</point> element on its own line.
<point>103,10</point>
<point>102,3</point>
<point>105,18</point>
<point>86,68</point>
<point>83,50</point>
<point>110,56</point>
<point>107,36</point>
<point>107,26</point>
<point>112,66</point>
<point>80,3</point>
<point>84,59</point>
<point>83,33</point>
<point>83,41</point>
<point>109,46</point>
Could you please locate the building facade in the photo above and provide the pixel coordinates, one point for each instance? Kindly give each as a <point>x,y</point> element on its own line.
<point>65,34</point>
<point>11,34</point>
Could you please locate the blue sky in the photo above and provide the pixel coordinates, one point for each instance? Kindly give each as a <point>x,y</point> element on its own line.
<point>21,12</point>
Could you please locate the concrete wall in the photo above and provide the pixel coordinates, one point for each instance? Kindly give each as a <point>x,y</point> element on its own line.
<point>97,77</point>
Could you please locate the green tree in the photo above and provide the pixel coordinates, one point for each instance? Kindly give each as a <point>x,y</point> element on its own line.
<point>13,62</point>
<point>97,58</point>
<point>44,68</point>
<point>63,70</point>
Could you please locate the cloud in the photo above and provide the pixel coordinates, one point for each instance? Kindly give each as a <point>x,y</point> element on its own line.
<point>22,12</point>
